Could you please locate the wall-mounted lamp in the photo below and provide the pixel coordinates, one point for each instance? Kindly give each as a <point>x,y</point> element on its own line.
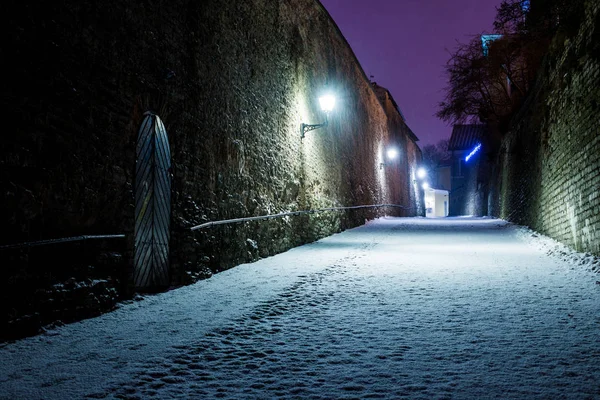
<point>391,154</point>
<point>421,174</point>
<point>327,103</point>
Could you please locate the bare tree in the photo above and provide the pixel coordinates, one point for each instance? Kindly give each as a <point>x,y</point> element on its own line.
<point>433,154</point>
<point>487,81</point>
<point>485,87</point>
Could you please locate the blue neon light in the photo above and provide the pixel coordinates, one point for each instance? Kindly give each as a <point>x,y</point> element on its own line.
<point>472,153</point>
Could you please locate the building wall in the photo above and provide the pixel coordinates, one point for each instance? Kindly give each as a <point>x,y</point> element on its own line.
<point>548,175</point>
<point>232,82</point>
<point>466,194</point>
<point>416,192</point>
<point>400,170</point>
<point>443,177</point>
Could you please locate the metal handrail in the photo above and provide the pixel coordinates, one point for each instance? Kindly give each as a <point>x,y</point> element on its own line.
<point>204,225</point>
<point>290,213</point>
<point>60,240</point>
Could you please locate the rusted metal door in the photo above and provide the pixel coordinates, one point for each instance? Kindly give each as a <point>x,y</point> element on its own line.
<point>152,205</point>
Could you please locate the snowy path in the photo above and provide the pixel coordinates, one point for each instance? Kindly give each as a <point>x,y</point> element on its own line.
<point>399,308</point>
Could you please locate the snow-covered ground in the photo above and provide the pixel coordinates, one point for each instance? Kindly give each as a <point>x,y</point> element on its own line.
<point>460,308</point>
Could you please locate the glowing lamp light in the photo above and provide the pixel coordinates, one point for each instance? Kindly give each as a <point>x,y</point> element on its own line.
<point>391,154</point>
<point>472,153</point>
<point>327,103</point>
<point>421,173</point>
<point>425,185</point>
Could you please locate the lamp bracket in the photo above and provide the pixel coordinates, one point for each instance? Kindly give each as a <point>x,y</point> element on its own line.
<point>307,128</point>
<point>310,127</point>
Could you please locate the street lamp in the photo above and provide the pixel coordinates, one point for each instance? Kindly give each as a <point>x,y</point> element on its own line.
<point>327,102</point>
<point>421,173</point>
<point>391,154</point>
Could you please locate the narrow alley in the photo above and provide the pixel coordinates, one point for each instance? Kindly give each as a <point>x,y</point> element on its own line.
<point>416,308</point>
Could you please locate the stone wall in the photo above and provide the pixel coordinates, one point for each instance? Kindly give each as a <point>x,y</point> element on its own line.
<point>467,187</point>
<point>548,175</point>
<point>232,82</point>
<point>400,172</point>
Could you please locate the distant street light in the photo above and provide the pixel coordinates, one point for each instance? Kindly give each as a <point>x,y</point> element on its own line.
<point>421,173</point>
<point>391,154</point>
<point>425,185</point>
<point>327,103</point>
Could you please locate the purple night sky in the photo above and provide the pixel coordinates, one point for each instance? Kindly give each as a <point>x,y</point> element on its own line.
<point>404,44</point>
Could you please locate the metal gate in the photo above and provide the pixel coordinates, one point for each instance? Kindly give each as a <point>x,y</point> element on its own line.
<point>152,205</point>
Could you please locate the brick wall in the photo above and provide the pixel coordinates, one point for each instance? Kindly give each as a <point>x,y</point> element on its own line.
<point>549,167</point>
<point>232,81</point>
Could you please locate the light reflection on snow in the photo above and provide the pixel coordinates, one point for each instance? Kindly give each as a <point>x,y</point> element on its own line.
<point>398,308</point>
